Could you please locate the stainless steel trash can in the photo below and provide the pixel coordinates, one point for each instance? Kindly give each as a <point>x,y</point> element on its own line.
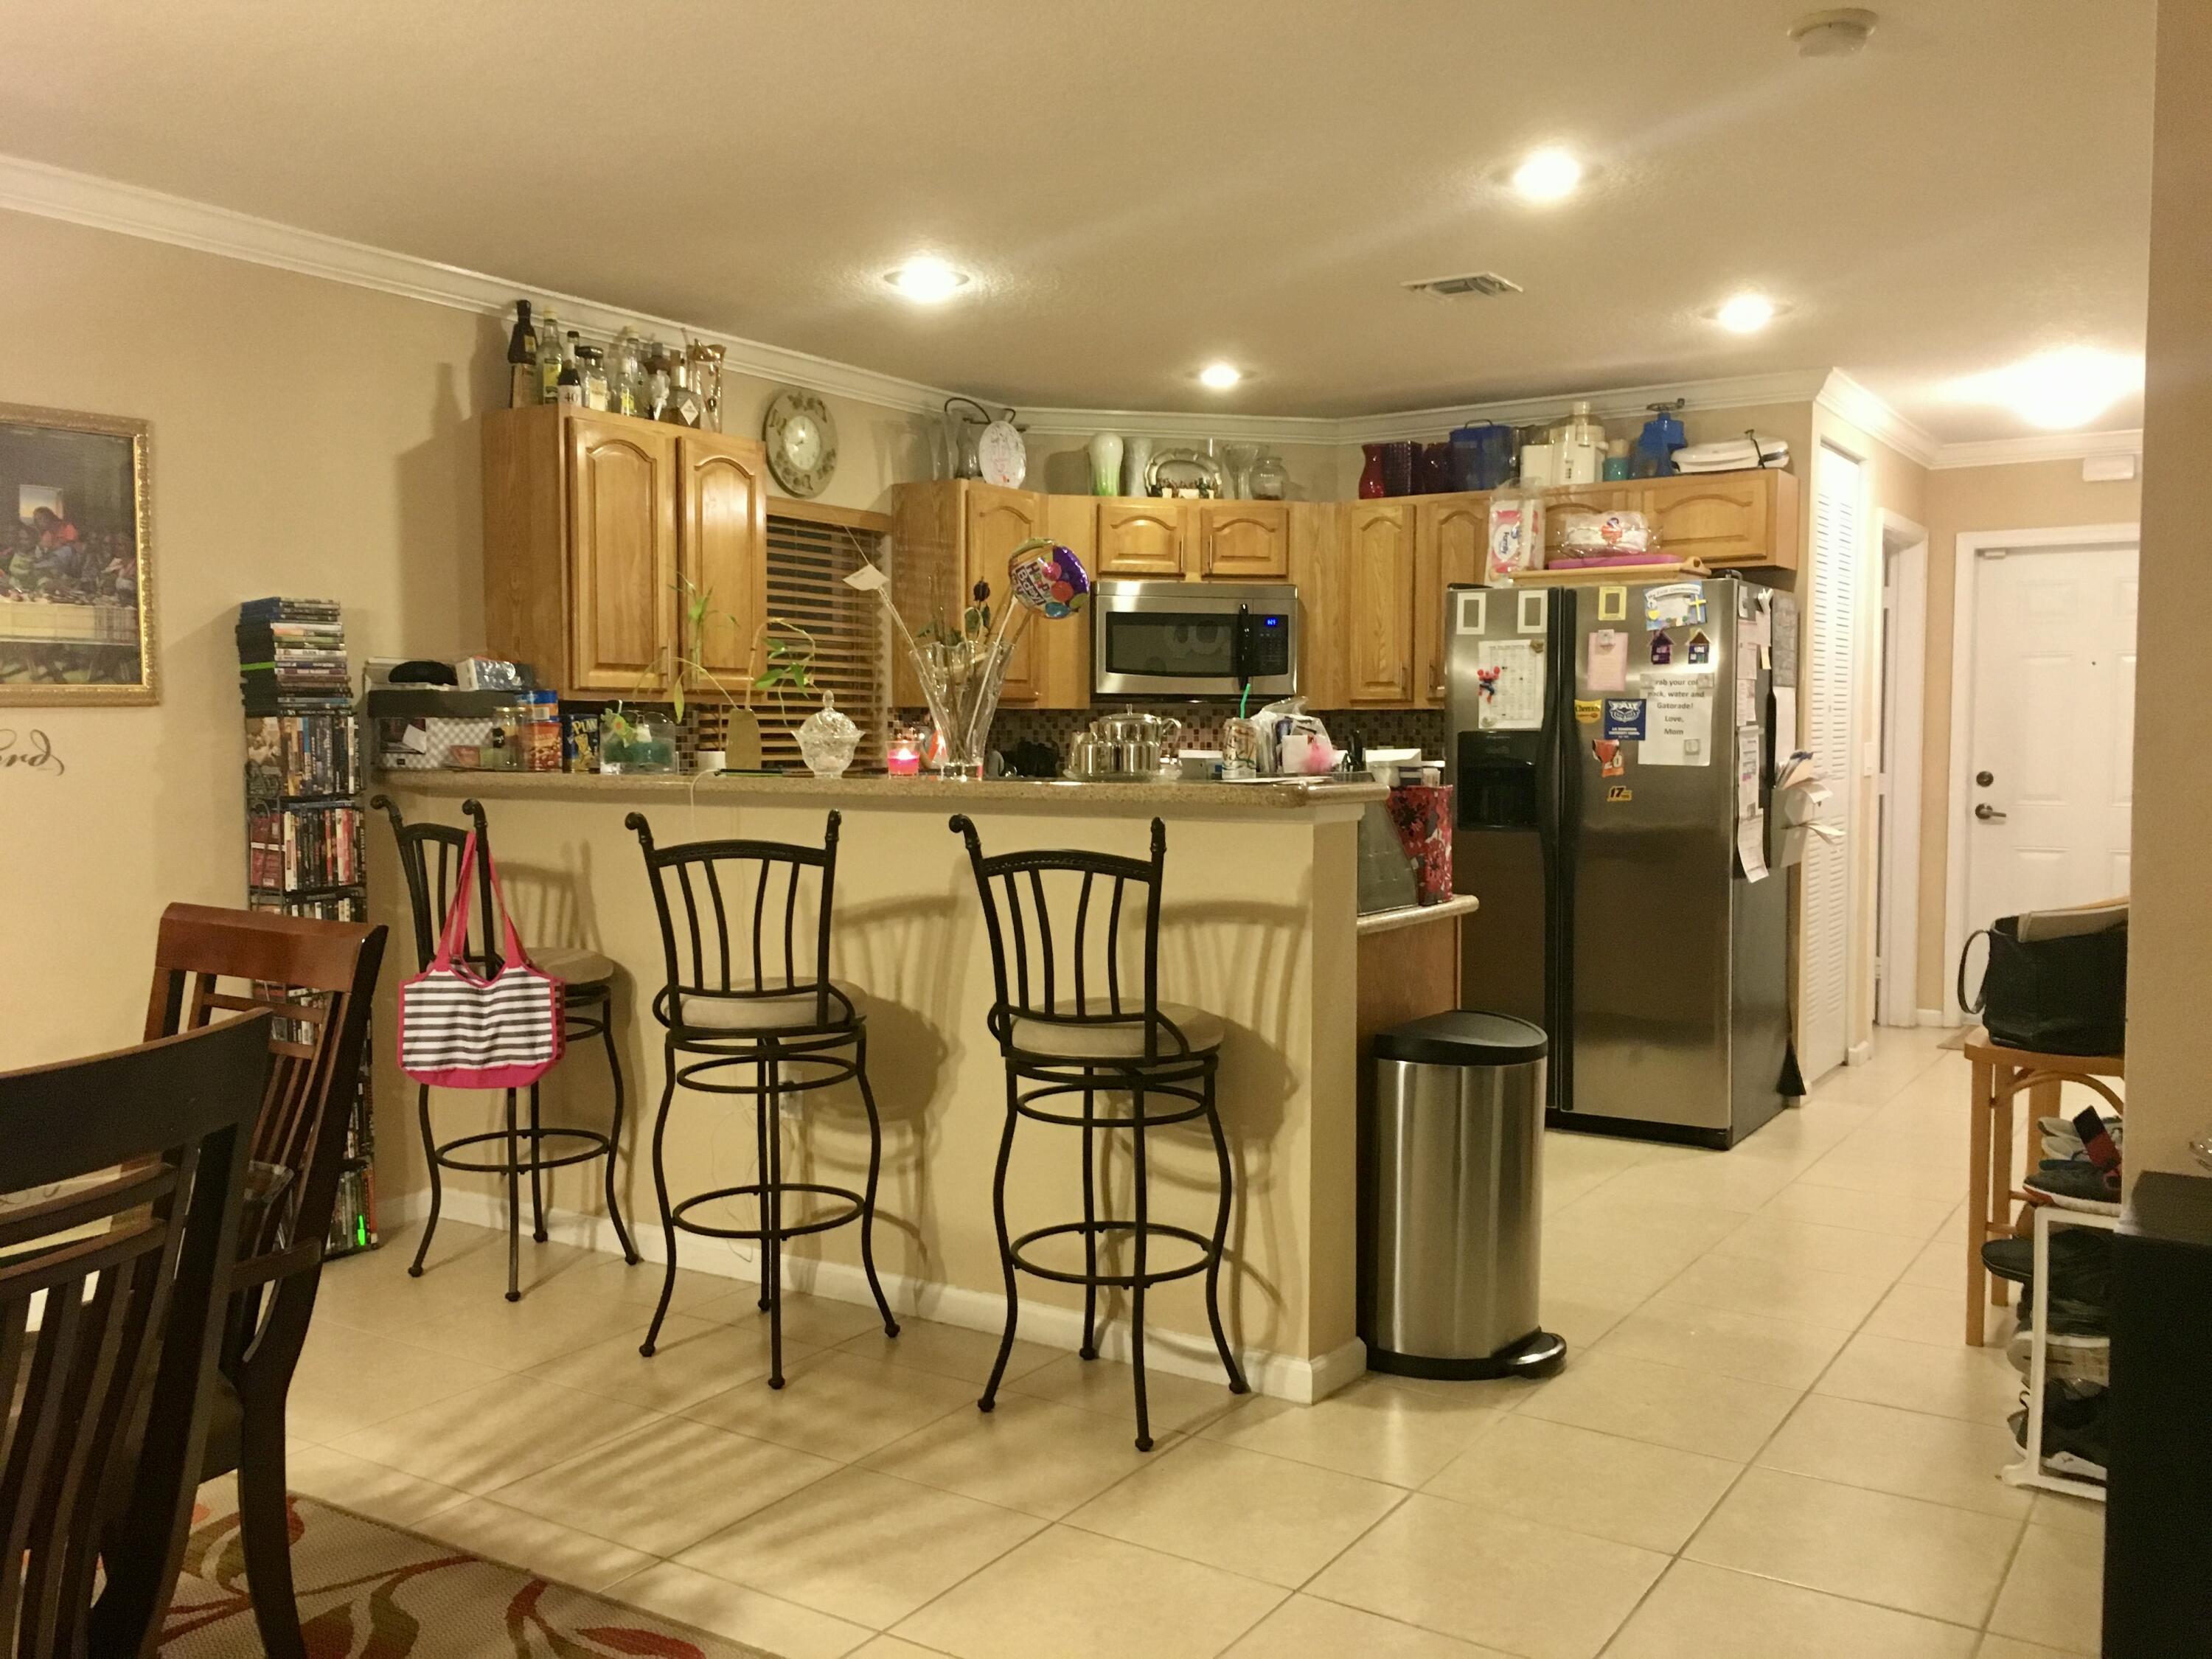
<point>1451,1199</point>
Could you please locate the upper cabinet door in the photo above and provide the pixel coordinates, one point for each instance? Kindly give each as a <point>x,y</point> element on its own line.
<point>722,552</point>
<point>1246,541</point>
<point>1141,538</point>
<point>622,554</point>
<point>1727,518</point>
<point>996,521</point>
<point>1378,554</point>
<point>1449,533</point>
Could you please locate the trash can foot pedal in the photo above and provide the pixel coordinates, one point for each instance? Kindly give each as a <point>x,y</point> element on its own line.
<point>1538,1354</point>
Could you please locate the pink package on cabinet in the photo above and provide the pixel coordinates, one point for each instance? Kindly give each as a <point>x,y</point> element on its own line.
<point>1423,815</point>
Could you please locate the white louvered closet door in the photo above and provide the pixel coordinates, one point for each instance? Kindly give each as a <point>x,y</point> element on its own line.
<point>1825,894</point>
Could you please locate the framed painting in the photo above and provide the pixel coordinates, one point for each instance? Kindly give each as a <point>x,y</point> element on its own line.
<point>76,561</point>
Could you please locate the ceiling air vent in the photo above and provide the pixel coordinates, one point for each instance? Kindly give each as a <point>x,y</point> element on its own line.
<point>1486,283</point>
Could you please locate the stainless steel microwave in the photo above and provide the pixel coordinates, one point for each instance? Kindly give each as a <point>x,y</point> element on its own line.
<point>1171,638</point>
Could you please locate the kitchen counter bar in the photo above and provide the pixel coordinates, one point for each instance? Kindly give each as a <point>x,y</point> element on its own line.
<point>1258,926</point>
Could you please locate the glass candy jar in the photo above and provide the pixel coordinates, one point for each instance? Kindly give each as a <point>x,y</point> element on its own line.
<point>827,739</point>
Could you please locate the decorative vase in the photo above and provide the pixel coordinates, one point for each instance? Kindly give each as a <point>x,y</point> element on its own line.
<point>1270,478</point>
<point>1136,456</point>
<point>827,739</point>
<point>1370,475</point>
<point>1105,463</point>
<point>1398,468</point>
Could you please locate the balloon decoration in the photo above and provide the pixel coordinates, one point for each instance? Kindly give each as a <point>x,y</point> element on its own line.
<point>1049,578</point>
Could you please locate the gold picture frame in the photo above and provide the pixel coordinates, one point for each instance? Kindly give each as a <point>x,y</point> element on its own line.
<point>77,561</point>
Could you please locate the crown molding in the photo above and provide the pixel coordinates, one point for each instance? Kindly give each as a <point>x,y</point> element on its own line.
<point>1848,400</point>
<point>52,193</point>
<point>2040,447</point>
<point>127,210</point>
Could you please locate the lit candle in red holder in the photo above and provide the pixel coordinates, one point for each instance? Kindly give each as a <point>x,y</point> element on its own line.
<point>902,759</point>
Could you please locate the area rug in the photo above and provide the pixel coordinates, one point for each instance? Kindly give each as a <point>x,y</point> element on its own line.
<point>370,1591</point>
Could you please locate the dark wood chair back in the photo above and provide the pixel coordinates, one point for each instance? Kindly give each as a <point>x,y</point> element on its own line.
<point>430,859</point>
<point>738,937</point>
<point>124,1176</point>
<point>1059,922</point>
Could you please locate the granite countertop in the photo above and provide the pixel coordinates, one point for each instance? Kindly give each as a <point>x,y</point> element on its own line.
<point>1413,915</point>
<point>877,790</point>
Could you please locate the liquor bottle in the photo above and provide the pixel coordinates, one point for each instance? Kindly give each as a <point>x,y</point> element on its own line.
<point>522,360</point>
<point>568,385</point>
<point>591,362</point>
<point>548,359</point>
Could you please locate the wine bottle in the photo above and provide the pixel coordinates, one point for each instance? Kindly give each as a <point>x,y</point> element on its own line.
<point>549,358</point>
<point>568,387</point>
<point>522,360</point>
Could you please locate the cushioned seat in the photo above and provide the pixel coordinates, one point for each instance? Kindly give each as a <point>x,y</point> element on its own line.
<point>797,1010</point>
<point>1123,1039</point>
<point>573,963</point>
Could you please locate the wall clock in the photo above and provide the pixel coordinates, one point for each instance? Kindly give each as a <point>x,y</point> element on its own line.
<point>1000,451</point>
<point>801,437</point>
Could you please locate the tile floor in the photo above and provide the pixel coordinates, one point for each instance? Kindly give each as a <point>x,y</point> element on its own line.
<point>1768,1442</point>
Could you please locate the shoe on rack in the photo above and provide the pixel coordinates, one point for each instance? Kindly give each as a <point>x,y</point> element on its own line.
<point>2077,1184</point>
<point>2066,1358</point>
<point>2081,1276</point>
<point>2075,1431</point>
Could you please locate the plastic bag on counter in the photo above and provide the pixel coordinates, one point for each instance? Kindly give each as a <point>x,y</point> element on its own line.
<point>1293,742</point>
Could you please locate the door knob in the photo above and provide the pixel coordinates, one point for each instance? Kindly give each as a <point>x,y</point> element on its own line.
<point>1988,814</point>
<point>1985,779</point>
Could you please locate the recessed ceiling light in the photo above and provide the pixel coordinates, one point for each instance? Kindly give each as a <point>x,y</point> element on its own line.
<point>1836,33</point>
<point>1746,313</point>
<point>1220,377</point>
<point>2058,389</point>
<point>1548,175</point>
<point>926,279</point>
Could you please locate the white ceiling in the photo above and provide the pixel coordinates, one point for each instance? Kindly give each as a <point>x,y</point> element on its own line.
<point>1142,185</point>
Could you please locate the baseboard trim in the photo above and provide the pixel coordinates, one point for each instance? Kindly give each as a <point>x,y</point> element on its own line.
<point>1181,1353</point>
<point>1934,1016</point>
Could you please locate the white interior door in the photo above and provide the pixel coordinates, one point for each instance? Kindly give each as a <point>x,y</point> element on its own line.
<point>1828,690</point>
<point>2052,768</point>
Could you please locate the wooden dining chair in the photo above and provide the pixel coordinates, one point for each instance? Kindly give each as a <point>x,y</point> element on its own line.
<point>318,978</point>
<point>122,1179</point>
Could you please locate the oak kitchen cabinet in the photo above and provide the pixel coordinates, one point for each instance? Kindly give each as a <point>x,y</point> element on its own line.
<point>1449,534</point>
<point>593,522</point>
<point>1163,539</point>
<point>950,533</point>
<point>1727,519</point>
<point>1377,551</point>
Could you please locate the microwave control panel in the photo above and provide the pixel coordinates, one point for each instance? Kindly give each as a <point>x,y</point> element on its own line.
<point>1270,646</point>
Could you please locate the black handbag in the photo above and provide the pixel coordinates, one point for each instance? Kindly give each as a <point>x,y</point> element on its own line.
<point>2054,996</point>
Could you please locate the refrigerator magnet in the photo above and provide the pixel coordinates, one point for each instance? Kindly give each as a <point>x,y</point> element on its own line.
<point>1474,613</point>
<point>1663,647</point>
<point>1607,667</point>
<point>1701,648</point>
<point>1623,718</point>
<point>1617,793</point>
<point>1532,611</point>
<point>1589,710</point>
<point>1612,603</point>
<point>1611,762</point>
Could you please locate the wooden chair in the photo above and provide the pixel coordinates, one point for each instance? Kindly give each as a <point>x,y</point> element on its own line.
<point>318,978</point>
<point>124,1176</point>
<point>1999,1074</point>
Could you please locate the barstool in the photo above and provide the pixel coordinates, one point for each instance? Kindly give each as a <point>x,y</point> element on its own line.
<point>1091,1043</point>
<point>588,1003</point>
<point>731,1013</point>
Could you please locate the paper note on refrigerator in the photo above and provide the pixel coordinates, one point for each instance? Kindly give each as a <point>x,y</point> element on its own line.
<point>1680,732</point>
<point>1746,700</point>
<point>1747,771</point>
<point>1750,847</point>
<point>1509,676</point>
<point>1606,669</point>
<point>1785,723</point>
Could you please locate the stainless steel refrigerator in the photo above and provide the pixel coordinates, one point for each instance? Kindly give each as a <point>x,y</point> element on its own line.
<point>1612,750</point>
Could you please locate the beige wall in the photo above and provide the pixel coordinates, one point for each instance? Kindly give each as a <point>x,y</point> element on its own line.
<point>309,438</point>
<point>2025,495</point>
<point>2167,1100</point>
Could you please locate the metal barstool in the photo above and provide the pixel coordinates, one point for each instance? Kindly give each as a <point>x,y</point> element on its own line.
<point>730,1012</point>
<point>430,855</point>
<point>1095,1043</point>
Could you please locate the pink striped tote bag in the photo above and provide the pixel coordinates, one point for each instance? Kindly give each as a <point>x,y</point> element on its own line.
<point>458,1030</point>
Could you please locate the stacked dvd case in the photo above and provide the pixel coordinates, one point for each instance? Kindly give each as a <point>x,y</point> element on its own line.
<point>304,828</point>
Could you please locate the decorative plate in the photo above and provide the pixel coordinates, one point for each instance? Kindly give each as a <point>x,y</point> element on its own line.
<point>1002,455</point>
<point>802,442</point>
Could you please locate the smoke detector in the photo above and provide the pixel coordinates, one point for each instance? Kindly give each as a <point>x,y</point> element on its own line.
<point>1486,283</point>
<point>1837,32</point>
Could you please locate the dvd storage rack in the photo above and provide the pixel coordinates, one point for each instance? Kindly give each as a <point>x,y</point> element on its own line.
<point>304,850</point>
